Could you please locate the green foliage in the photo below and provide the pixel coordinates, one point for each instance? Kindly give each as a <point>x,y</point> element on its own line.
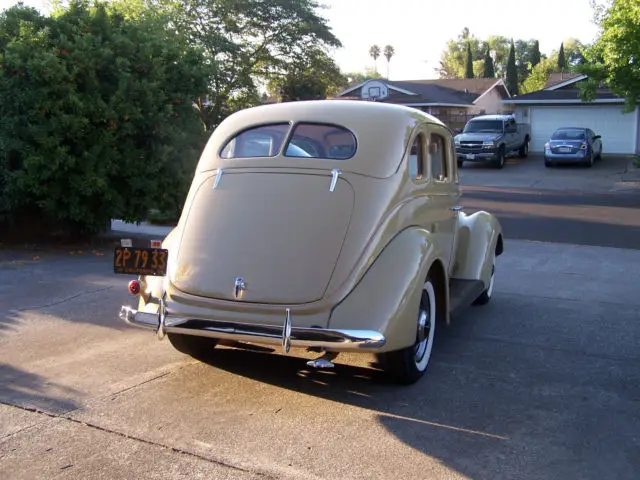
<point>539,76</point>
<point>615,57</point>
<point>246,42</point>
<point>312,77</point>
<point>469,64</point>
<point>512,71</point>
<point>488,71</point>
<point>535,56</point>
<point>562,62</point>
<point>453,60</point>
<point>97,119</point>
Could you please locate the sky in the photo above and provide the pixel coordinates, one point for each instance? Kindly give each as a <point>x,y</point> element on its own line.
<point>419,29</point>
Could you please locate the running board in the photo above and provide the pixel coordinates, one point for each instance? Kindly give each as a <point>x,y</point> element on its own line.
<point>462,293</point>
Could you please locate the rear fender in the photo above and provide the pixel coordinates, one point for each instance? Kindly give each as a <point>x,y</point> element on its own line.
<point>479,235</point>
<point>387,297</point>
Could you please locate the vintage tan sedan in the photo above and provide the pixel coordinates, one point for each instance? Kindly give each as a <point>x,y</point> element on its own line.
<point>330,225</point>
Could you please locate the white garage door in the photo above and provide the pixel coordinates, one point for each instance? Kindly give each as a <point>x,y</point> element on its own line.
<point>618,130</point>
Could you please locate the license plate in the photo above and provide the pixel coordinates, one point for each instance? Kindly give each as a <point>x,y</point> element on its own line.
<point>564,149</point>
<point>471,156</point>
<point>140,261</point>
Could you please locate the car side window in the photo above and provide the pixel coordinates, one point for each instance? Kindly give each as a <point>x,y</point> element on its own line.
<point>438,154</point>
<point>416,158</point>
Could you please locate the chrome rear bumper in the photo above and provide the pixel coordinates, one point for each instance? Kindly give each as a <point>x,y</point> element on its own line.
<point>285,335</point>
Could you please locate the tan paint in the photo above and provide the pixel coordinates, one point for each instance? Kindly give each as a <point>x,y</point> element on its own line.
<point>354,258</point>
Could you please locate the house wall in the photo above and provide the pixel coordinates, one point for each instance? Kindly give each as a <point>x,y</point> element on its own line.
<point>491,103</point>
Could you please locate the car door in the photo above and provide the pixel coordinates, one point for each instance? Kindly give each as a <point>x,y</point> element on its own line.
<point>442,184</point>
<point>511,133</point>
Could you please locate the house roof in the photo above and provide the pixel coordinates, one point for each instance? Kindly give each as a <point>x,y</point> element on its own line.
<point>564,95</point>
<point>450,92</point>
<point>556,78</point>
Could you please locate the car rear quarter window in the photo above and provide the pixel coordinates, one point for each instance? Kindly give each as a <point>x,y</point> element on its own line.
<point>317,140</point>
<point>438,153</point>
<point>262,141</point>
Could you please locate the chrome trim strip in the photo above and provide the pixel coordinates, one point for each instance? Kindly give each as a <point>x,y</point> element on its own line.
<point>335,173</point>
<point>218,177</point>
<point>258,333</point>
<point>286,332</point>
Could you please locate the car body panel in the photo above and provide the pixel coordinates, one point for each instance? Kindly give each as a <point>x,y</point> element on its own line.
<point>343,251</point>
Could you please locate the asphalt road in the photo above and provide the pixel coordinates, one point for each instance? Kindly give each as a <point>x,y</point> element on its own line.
<point>544,382</point>
<point>568,204</point>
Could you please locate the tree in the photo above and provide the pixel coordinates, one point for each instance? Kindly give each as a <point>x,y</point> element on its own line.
<point>539,76</point>
<point>573,49</point>
<point>615,57</point>
<point>246,42</point>
<point>97,117</point>
<point>389,52</point>
<point>562,62</point>
<point>489,72</point>
<point>512,71</point>
<point>453,59</point>
<point>314,76</point>
<point>374,52</point>
<point>356,78</point>
<point>469,65</point>
<point>535,54</point>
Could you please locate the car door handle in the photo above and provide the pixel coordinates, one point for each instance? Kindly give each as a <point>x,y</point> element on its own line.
<point>457,208</point>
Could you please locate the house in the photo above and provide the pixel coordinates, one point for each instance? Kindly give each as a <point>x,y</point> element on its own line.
<point>558,105</point>
<point>453,101</point>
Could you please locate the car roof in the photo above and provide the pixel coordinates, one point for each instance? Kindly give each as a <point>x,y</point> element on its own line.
<point>492,117</point>
<point>382,132</point>
<point>571,128</point>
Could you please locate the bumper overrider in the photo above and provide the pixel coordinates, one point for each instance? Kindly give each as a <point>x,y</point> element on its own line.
<point>285,335</point>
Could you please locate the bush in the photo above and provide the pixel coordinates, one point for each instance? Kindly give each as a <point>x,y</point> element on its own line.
<point>96,117</point>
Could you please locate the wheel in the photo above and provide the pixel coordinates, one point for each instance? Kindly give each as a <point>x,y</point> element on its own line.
<point>500,160</point>
<point>460,162</point>
<point>548,163</point>
<point>524,149</point>
<point>485,296</point>
<point>408,365</point>
<point>599,156</point>
<point>192,345</point>
<point>590,161</point>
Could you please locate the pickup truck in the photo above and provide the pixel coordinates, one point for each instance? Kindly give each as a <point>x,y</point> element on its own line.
<point>492,138</point>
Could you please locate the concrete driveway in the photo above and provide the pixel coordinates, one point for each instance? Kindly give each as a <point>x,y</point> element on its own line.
<point>544,382</point>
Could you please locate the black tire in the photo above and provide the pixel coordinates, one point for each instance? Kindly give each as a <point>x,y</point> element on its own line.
<point>524,150</point>
<point>599,156</point>
<point>408,365</point>
<point>485,297</point>
<point>590,161</point>
<point>499,162</point>
<point>548,163</point>
<point>460,163</point>
<point>192,345</point>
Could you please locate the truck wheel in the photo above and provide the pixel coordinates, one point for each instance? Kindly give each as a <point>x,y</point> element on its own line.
<point>460,163</point>
<point>192,345</point>
<point>499,162</point>
<point>408,365</point>
<point>524,149</point>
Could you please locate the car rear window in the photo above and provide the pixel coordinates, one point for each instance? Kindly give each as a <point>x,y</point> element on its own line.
<point>262,141</point>
<point>568,134</point>
<point>321,141</point>
<point>311,140</point>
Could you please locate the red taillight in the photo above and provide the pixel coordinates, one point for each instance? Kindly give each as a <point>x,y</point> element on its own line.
<point>134,287</point>
<point>583,146</point>
<point>547,145</point>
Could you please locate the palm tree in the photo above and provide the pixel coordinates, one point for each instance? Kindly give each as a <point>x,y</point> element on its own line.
<point>374,52</point>
<point>389,52</point>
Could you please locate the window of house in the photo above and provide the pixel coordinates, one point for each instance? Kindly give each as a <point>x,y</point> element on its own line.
<point>262,141</point>
<point>437,157</point>
<point>321,141</point>
<point>416,158</point>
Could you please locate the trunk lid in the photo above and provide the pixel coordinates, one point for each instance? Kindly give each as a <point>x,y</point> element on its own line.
<point>281,233</point>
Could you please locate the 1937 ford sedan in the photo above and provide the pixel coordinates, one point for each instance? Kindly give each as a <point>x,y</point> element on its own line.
<point>329,225</point>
